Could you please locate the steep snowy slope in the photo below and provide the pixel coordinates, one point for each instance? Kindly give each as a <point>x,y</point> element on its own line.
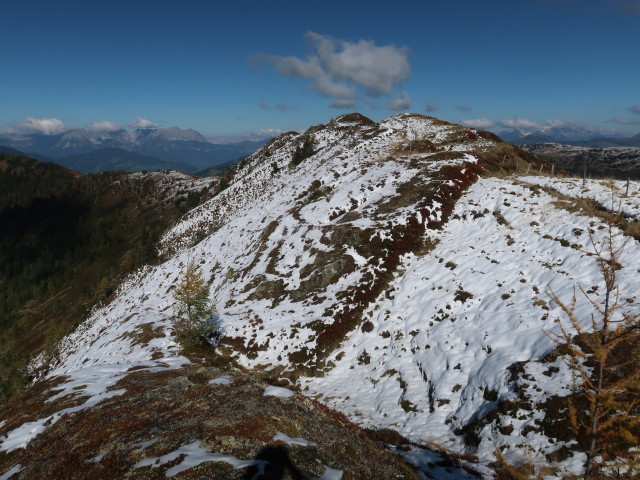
<point>451,327</point>
<point>382,275</point>
<point>282,237</point>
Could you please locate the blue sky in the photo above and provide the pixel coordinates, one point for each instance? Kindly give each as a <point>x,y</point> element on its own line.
<point>240,70</point>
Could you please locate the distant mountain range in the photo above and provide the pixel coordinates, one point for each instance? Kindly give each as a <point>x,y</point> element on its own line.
<point>13,151</point>
<point>616,162</point>
<point>162,148</point>
<point>568,137</point>
<point>571,149</point>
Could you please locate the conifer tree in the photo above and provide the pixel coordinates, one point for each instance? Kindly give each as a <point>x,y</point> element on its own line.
<point>193,308</point>
<point>605,361</point>
<point>304,151</point>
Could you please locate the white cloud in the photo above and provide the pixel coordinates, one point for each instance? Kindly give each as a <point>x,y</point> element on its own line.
<point>140,122</point>
<point>45,126</point>
<point>431,107</point>
<point>343,103</point>
<point>478,123</point>
<point>338,68</point>
<point>522,123</point>
<point>283,107</point>
<point>253,136</point>
<point>561,129</point>
<point>635,109</point>
<point>625,121</point>
<point>464,108</point>
<point>103,126</point>
<point>327,86</point>
<point>401,102</point>
<point>378,69</point>
<point>265,133</point>
<point>578,130</point>
<point>554,122</point>
<point>553,127</point>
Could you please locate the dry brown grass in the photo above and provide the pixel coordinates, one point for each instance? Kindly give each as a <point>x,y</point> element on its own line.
<point>591,208</point>
<point>526,470</point>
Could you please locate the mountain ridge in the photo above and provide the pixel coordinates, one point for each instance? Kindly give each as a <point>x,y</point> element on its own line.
<point>397,273</point>
<point>615,162</point>
<point>519,137</point>
<point>172,144</point>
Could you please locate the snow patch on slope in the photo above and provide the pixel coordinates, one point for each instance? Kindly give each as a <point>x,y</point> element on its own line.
<point>452,324</point>
<point>193,454</point>
<point>91,384</point>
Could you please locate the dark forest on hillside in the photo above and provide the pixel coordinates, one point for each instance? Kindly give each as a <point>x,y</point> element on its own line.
<point>66,240</point>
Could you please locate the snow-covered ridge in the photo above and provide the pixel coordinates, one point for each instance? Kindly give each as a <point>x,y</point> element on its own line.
<point>351,173</point>
<point>337,142</point>
<point>287,250</point>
